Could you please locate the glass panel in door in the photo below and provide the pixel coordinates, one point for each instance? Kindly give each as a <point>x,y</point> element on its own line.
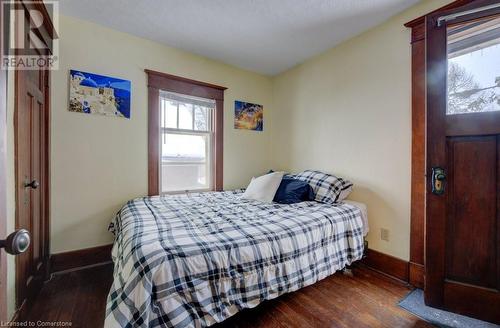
<point>474,66</point>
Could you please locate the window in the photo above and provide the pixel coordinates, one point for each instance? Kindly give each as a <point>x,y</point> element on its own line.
<point>186,142</point>
<point>473,66</point>
<point>185,134</point>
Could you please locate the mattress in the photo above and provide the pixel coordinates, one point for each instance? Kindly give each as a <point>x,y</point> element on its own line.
<point>364,214</point>
<point>194,260</point>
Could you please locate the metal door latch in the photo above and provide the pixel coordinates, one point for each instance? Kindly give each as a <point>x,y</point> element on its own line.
<point>438,180</point>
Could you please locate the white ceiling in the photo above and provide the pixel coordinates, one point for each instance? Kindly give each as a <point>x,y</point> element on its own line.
<point>265,36</point>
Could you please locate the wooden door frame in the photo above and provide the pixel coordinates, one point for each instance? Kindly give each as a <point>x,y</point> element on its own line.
<point>418,157</point>
<point>3,182</point>
<point>49,32</point>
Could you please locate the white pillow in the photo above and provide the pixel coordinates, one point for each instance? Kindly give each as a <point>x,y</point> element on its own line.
<point>264,187</point>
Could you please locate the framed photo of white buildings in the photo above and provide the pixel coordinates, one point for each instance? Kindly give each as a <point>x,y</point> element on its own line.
<point>97,94</point>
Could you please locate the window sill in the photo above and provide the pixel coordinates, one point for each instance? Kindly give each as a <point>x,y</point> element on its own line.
<point>193,191</point>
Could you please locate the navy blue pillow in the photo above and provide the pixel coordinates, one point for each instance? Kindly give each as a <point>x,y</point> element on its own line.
<point>293,191</point>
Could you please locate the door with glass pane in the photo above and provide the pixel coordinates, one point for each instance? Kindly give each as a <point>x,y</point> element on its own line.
<point>186,143</point>
<point>463,166</point>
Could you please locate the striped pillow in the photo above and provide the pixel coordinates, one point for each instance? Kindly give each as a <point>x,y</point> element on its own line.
<point>327,188</point>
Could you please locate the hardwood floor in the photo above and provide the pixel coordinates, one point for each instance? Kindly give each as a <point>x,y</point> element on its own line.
<point>78,297</point>
<point>368,299</point>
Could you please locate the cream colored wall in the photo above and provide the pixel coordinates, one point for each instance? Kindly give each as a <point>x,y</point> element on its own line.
<point>98,163</point>
<point>348,111</point>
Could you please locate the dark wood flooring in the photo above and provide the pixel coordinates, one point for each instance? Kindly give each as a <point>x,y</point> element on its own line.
<point>368,299</point>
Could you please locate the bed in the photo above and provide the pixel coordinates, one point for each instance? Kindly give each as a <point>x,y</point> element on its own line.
<point>194,260</point>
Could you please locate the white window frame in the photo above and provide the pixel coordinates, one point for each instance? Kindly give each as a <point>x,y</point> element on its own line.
<point>210,134</point>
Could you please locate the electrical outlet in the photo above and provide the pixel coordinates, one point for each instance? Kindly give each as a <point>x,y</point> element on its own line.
<point>384,234</point>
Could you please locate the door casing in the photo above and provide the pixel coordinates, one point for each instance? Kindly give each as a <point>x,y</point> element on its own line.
<point>3,184</point>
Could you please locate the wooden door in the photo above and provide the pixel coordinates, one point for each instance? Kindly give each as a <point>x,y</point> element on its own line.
<point>3,181</point>
<point>463,156</point>
<point>31,125</point>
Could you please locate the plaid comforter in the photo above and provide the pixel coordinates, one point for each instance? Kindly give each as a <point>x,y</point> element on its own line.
<point>194,260</point>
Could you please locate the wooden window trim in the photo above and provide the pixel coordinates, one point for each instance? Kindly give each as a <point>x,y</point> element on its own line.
<point>161,81</point>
